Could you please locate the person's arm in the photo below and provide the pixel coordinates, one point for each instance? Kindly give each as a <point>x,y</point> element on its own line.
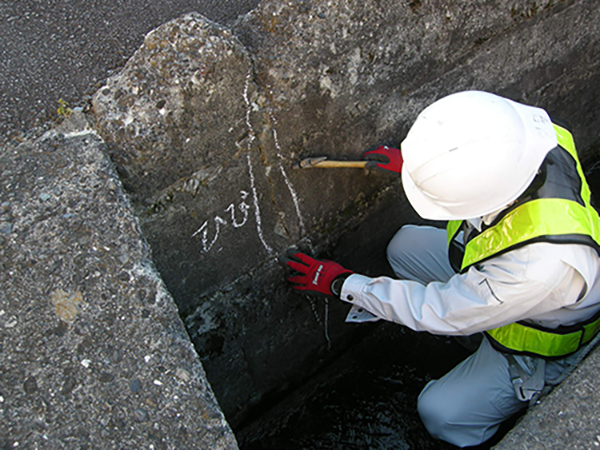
<point>511,287</point>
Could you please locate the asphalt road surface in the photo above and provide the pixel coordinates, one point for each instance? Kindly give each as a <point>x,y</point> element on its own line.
<point>64,49</point>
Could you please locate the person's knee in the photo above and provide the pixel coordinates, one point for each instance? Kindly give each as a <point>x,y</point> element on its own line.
<point>444,418</point>
<point>420,253</point>
<point>399,248</point>
<point>448,417</point>
<point>434,415</point>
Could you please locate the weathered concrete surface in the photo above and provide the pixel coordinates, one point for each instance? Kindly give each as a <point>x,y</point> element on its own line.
<point>204,124</point>
<point>567,418</point>
<point>197,145</point>
<point>92,351</point>
<point>367,68</point>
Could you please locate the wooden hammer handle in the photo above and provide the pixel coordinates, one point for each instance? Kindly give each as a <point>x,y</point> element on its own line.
<point>333,164</point>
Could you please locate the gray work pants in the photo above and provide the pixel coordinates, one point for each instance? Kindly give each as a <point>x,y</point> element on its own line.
<point>468,404</point>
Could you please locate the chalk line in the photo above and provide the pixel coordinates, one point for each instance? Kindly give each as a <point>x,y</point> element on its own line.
<point>252,136</point>
<point>285,176</point>
<point>257,207</point>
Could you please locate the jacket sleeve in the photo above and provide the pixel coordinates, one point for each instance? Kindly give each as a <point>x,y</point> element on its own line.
<point>518,285</point>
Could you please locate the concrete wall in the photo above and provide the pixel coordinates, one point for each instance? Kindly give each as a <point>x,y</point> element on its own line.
<point>204,124</point>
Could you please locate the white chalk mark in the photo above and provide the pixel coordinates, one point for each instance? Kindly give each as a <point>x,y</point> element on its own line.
<point>243,207</point>
<point>252,136</point>
<point>313,307</point>
<point>285,176</point>
<point>327,323</point>
<point>239,216</point>
<point>257,207</point>
<point>206,246</point>
<point>199,230</point>
<point>235,222</point>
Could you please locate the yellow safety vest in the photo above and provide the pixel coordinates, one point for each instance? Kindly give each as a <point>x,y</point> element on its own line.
<point>558,211</point>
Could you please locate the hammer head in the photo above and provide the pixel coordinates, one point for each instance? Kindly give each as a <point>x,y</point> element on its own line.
<point>307,163</point>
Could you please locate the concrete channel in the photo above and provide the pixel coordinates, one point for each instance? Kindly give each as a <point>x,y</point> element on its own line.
<point>143,302</point>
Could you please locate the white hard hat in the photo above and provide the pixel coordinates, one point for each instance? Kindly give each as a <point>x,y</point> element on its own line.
<point>472,153</point>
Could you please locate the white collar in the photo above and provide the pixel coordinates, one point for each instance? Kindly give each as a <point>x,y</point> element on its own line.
<point>487,219</point>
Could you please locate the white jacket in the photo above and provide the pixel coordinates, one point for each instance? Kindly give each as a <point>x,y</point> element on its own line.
<point>547,284</point>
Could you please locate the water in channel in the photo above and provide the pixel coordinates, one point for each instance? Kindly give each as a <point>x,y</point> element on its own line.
<point>373,404</point>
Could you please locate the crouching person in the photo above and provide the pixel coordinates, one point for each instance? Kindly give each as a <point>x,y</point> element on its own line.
<point>518,260</point>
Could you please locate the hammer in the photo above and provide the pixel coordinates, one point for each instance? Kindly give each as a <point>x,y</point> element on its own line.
<point>322,163</point>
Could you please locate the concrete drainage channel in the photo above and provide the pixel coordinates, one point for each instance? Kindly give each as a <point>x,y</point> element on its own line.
<point>94,353</point>
<point>366,399</point>
<point>205,122</point>
<point>203,125</point>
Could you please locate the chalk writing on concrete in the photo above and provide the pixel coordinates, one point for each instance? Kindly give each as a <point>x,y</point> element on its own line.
<point>243,207</point>
<point>210,230</point>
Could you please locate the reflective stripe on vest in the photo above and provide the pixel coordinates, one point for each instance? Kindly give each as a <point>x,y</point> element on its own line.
<point>525,339</point>
<point>556,220</point>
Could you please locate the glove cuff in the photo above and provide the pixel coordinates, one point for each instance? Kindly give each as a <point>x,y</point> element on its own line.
<point>338,283</point>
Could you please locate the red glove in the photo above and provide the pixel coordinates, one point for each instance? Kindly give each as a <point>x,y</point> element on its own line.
<point>384,159</point>
<point>314,275</point>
